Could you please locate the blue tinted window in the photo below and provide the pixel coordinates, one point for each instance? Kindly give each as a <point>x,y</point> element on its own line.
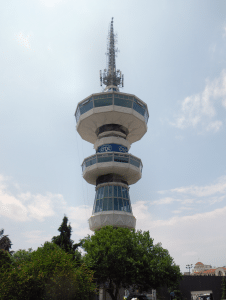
<point>123,192</point>
<point>101,192</point>
<point>120,204</point>
<point>125,202</point>
<point>139,107</point>
<point>123,159</point>
<point>122,102</point>
<point>119,191</point>
<point>77,114</point>
<point>110,206</point>
<point>134,162</point>
<point>115,204</point>
<point>98,194</point>
<point>91,161</point>
<point>101,205</point>
<point>104,158</point>
<point>103,100</point>
<point>110,191</point>
<point>129,207</point>
<point>115,191</point>
<point>146,116</point>
<point>86,105</point>
<point>97,208</point>
<point>106,191</point>
<point>105,204</point>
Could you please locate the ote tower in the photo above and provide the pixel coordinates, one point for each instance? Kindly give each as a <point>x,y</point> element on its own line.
<point>112,121</point>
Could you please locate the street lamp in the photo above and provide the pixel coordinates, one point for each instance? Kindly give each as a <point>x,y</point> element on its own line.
<point>189,267</point>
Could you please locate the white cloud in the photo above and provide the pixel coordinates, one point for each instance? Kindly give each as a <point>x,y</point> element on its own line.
<point>28,207</point>
<point>11,207</point>
<point>140,209</point>
<point>79,219</point>
<point>36,237</point>
<point>189,237</point>
<point>25,206</point>
<point>212,48</point>
<point>41,206</point>
<point>214,126</point>
<point>192,199</point>
<point>166,200</point>
<point>192,253</point>
<point>203,191</point>
<point>24,40</point>
<point>51,3</point>
<point>193,228</point>
<point>224,31</point>
<point>201,109</point>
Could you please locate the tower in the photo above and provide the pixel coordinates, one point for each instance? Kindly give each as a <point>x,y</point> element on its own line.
<point>112,121</point>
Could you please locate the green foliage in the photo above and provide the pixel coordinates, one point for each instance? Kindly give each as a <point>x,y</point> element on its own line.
<point>78,285</point>
<point>21,255</point>
<point>223,288</point>
<point>176,289</point>
<point>122,257</point>
<point>49,273</point>
<point>5,261</point>
<point>64,240</point>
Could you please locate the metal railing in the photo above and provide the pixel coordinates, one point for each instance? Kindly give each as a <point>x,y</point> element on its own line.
<point>113,156</point>
<point>106,99</point>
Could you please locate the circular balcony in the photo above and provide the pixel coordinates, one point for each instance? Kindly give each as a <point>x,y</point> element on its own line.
<point>111,108</point>
<point>123,164</point>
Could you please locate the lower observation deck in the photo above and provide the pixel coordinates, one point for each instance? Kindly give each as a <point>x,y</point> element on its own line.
<point>125,165</point>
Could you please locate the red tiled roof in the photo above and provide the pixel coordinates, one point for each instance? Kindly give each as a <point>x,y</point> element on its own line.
<point>199,263</point>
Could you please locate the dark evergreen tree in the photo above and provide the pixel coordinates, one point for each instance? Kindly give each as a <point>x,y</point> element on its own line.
<point>64,240</point>
<point>5,243</point>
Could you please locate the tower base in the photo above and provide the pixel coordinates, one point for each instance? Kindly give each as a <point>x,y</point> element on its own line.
<point>113,218</point>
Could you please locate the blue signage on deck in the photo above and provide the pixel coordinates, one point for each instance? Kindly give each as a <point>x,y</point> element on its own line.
<point>112,148</point>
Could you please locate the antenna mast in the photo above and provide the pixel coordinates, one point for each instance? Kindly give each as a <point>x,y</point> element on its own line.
<point>112,78</point>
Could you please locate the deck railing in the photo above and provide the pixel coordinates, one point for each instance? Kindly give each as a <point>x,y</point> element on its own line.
<point>113,156</point>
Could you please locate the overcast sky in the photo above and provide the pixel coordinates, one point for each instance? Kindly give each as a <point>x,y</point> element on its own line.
<point>172,55</point>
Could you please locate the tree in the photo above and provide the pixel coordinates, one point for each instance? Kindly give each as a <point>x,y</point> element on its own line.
<point>21,255</point>
<point>5,243</point>
<point>223,288</point>
<point>121,257</point>
<point>176,293</point>
<point>5,260</point>
<point>64,240</point>
<point>51,273</point>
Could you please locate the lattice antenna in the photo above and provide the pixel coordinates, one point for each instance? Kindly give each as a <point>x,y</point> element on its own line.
<point>111,76</point>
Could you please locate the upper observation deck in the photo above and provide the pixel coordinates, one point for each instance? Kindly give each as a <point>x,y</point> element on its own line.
<point>111,108</point>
